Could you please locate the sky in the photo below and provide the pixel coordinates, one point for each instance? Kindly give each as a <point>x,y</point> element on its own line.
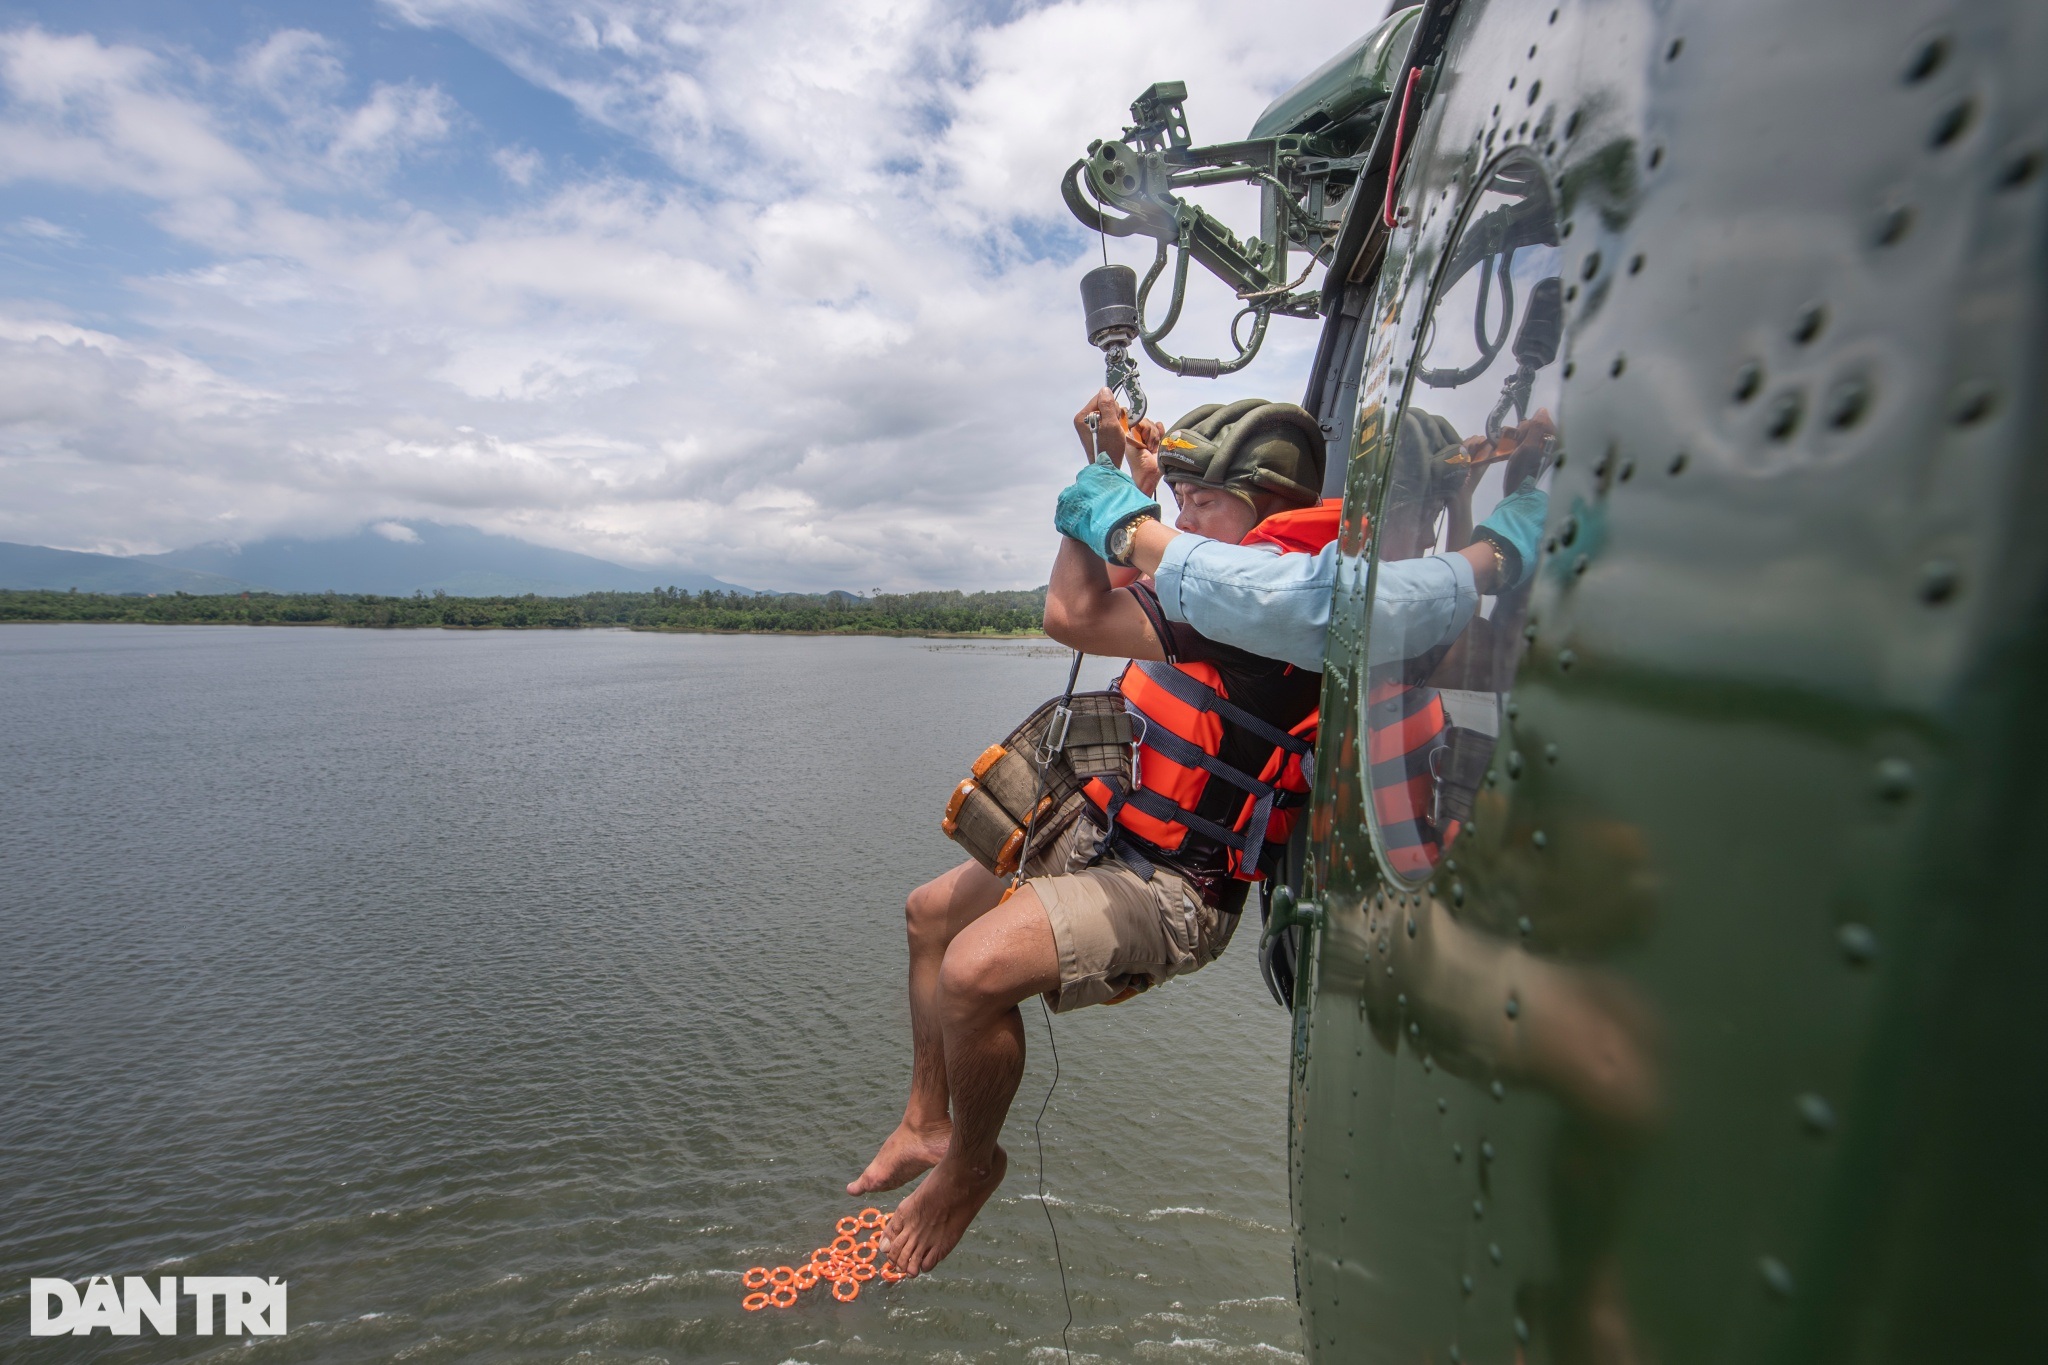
<point>781,292</point>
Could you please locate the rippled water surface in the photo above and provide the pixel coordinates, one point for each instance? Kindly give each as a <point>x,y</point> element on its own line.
<point>509,993</point>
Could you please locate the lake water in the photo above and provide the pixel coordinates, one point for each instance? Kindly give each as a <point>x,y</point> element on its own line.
<point>508,994</point>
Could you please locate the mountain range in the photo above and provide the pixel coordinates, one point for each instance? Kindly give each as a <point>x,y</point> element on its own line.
<point>390,559</point>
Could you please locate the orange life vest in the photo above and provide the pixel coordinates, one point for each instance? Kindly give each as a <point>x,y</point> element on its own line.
<point>1186,711</point>
<point>1404,730</point>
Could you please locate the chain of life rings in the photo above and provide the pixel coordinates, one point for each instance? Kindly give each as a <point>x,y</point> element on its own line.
<point>846,1263</point>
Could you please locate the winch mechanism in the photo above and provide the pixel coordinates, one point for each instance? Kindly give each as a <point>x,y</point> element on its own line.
<point>1306,154</point>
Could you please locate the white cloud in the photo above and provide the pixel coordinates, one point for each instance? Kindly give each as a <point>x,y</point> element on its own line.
<point>825,351</point>
<point>42,228</point>
<point>396,531</point>
<point>520,165</point>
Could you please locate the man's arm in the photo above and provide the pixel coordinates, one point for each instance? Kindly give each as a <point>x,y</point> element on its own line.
<point>1278,606</point>
<point>1085,611</point>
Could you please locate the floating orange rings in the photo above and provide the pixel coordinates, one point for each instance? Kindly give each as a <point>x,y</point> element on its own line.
<point>852,1258</point>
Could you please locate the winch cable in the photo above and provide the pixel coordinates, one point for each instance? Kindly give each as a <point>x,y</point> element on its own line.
<point>1045,757</point>
<point>1046,752</point>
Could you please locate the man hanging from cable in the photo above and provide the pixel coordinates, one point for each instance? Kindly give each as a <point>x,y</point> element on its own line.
<point>1223,619</point>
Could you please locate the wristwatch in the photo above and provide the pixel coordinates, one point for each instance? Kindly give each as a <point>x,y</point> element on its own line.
<point>1505,570</point>
<point>1124,537</point>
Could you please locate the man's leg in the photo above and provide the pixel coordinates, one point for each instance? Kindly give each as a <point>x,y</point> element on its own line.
<point>933,916</point>
<point>1005,956</point>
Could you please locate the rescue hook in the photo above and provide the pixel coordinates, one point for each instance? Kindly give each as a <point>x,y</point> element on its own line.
<point>1109,297</point>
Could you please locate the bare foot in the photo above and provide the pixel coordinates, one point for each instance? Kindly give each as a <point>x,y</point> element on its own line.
<point>906,1153</point>
<point>929,1224</point>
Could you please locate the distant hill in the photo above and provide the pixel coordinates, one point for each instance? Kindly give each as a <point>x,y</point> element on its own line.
<point>36,566</point>
<point>397,559</point>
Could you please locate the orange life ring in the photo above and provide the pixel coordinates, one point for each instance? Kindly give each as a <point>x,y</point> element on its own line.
<point>869,1218</point>
<point>861,1272</point>
<point>775,1296</point>
<point>782,1275</point>
<point>844,1250</point>
<point>756,1277</point>
<point>848,1225</point>
<point>754,1303</point>
<point>852,1288</point>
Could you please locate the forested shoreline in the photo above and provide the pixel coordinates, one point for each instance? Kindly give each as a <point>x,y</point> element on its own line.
<point>921,613</point>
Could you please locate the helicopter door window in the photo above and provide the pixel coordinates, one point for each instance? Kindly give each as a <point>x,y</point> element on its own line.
<point>1477,426</point>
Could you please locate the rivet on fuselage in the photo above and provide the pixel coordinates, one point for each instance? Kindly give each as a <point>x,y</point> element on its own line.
<point>1925,61</point>
<point>1894,779</point>
<point>1457,1152</point>
<point>1479,1208</point>
<point>1971,403</point>
<point>1776,1276</point>
<point>1443,1106</point>
<point>1565,660</point>
<point>1493,1252</point>
<point>1550,753</point>
<point>1524,927</point>
<point>1859,945</point>
<point>1514,1007</point>
<point>1521,1330</point>
<point>1749,381</point>
<point>1500,1092</point>
<point>1847,402</point>
<point>1893,222</point>
<point>1465,1283</point>
<point>1952,123</point>
<point>1938,580</point>
<point>1812,319</point>
<point>1540,839</point>
<point>2022,168</point>
<point>1817,1114</point>
<point>1786,410</point>
<point>1486,1151</point>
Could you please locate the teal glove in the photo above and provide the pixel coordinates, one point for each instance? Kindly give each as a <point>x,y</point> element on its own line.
<point>1516,525</point>
<point>1099,500</point>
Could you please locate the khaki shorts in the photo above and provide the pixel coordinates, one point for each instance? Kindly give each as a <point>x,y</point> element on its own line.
<point>1119,934</point>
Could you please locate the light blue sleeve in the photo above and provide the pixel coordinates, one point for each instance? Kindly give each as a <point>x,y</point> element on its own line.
<point>1278,606</point>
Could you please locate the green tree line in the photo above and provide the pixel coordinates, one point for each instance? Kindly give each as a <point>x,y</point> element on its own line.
<point>917,613</point>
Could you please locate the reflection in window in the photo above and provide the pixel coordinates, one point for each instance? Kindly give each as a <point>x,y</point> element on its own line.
<point>1477,428</point>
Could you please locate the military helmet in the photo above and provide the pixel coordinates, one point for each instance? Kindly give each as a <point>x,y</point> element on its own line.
<point>1248,447</point>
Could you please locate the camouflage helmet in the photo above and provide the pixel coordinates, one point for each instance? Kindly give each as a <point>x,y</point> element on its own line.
<point>1247,447</point>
